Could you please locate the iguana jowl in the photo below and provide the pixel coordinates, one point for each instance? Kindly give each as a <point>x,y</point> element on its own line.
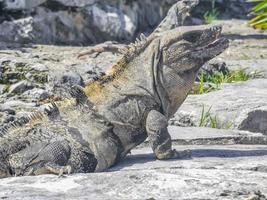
<point>102,123</point>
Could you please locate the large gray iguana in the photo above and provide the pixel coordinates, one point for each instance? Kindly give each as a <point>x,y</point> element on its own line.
<point>101,123</point>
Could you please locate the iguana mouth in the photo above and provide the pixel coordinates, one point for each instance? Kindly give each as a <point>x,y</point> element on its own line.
<point>210,35</point>
<point>212,49</point>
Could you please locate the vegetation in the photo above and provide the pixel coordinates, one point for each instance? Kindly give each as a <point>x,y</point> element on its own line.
<point>212,15</point>
<point>231,76</point>
<point>209,83</point>
<point>260,9</point>
<point>208,120</point>
<point>202,87</point>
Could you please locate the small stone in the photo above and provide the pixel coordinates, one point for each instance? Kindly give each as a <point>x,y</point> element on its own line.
<point>7,110</point>
<point>15,104</point>
<point>39,67</point>
<point>1,72</point>
<point>69,79</point>
<point>36,93</point>
<point>2,89</point>
<point>76,3</point>
<point>214,67</point>
<point>20,87</point>
<point>22,4</point>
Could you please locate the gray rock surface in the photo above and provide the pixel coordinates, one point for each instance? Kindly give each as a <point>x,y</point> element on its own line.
<point>2,88</point>
<point>233,172</point>
<point>214,172</point>
<point>237,104</point>
<point>81,22</point>
<point>77,3</point>
<point>258,66</point>
<point>21,4</point>
<point>36,94</point>
<point>207,136</point>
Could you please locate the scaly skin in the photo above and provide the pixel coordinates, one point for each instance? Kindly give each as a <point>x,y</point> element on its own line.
<point>147,86</point>
<point>98,127</point>
<point>50,142</point>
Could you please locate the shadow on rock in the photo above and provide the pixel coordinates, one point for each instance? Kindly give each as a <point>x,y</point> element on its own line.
<point>196,153</point>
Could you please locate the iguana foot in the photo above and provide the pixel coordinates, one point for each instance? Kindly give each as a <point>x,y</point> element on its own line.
<point>173,154</point>
<point>50,168</point>
<point>60,170</point>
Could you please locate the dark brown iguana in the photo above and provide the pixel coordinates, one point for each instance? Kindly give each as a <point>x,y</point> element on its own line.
<point>102,123</point>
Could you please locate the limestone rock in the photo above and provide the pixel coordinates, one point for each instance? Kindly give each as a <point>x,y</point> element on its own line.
<point>20,87</point>
<point>68,78</point>
<point>36,94</point>
<point>39,67</point>
<point>17,31</point>
<point>2,88</point>
<point>21,4</point>
<point>240,105</point>
<point>254,120</point>
<point>76,3</point>
<point>206,136</point>
<point>14,104</point>
<point>88,22</point>
<point>215,172</point>
<point>258,67</point>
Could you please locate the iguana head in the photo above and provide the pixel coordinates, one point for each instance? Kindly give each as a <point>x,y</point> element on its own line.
<point>178,56</point>
<point>188,48</point>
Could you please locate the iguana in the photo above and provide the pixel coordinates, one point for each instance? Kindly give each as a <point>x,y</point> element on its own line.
<point>103,121</point>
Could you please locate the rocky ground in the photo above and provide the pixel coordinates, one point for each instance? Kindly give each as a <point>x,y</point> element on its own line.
<point>226,164</point>
<point>225,171</point>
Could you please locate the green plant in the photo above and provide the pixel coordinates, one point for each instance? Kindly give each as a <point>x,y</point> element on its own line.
<point>209,83</point>
<point>201,87</point>
<point>232,76</point>
<point>211,15</point>
<point>260,9</point>
<point>208,120</point>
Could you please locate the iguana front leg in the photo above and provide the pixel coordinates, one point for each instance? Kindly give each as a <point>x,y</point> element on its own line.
<point>160,139</point>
